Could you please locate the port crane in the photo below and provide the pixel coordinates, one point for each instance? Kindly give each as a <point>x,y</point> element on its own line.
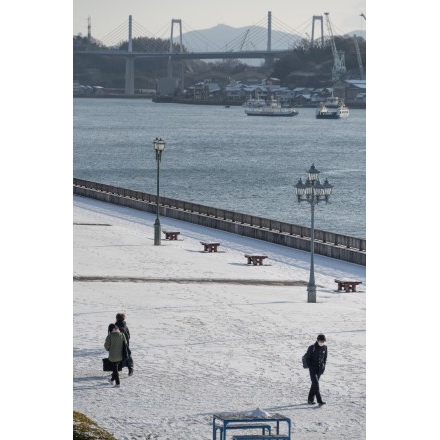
<point>338,55</point>
<point>358,53</point>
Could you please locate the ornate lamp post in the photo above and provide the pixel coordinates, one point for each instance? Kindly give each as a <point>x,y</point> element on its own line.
<point>159,146</point>
<point>313,192</point>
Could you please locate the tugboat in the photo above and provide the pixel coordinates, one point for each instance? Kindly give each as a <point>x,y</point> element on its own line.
<point>324,112</point>
<point>332,108</point>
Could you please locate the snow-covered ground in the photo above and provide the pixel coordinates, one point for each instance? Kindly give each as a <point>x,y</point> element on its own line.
<point>209,332</point>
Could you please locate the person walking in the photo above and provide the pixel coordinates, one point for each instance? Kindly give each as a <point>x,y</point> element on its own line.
<point>316,359</point>
<point>122,325</point>
<point>113,344</point>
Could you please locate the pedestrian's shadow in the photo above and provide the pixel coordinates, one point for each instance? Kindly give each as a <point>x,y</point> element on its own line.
<point>87,378</point>
<point>295,406</point>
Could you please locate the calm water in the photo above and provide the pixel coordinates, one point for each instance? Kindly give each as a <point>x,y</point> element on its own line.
<point>220,157</point>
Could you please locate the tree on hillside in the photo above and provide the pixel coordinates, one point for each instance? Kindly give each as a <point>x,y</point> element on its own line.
<point>309,66</point>
<point>304,66</point>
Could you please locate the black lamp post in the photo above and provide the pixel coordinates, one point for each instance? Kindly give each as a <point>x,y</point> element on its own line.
<point>159,146</point>
<point>313,192</point>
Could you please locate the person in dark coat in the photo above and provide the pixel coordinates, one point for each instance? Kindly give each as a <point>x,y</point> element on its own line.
<point>113,344</point>
<point>122,325</point>
<point>316,359</point>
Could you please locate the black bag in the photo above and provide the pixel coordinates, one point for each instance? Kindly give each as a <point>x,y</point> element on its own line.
<point>126,353</point>
<point>304,359</point>
<point>107,366</point>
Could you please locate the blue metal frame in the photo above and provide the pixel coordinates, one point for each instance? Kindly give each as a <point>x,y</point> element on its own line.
<point>234,418</point>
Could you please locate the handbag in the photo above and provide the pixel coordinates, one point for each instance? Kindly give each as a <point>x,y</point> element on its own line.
<point>107,365</point>
<point>126,352</point>
<point>304,361</point>
<point>304,358</point>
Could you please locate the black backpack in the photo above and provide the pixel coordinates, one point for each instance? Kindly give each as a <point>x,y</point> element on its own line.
<point>304,358</point>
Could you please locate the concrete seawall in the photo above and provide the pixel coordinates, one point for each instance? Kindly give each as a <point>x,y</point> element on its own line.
<point>329,244</point>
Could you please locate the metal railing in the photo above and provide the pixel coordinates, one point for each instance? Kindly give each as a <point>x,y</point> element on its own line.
<point>326,243</point>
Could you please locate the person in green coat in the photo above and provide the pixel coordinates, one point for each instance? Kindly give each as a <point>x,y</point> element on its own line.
<point>114,344</point>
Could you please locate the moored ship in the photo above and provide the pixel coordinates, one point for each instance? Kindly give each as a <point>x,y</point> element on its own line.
<point>332,108</point>
<point>271,107</point>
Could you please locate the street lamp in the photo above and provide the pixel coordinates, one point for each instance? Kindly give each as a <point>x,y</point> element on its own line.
<point>313,192</point>
<point>159,146</point>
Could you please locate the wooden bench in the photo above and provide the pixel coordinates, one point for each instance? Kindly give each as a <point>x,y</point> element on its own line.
<point>261,426</point>
<point>171,235</point>
<point>264,436</point>
<point>347,285</point>
<point>255,259</point>
<point>210,247</point>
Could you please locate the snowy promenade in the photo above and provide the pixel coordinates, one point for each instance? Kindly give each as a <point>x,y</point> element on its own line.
<point>209,332</point>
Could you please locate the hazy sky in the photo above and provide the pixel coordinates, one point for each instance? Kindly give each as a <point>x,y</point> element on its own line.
<point>155,16</point>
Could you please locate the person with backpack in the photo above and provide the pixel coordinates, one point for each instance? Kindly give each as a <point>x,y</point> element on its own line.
<point>114,345</point>
<point>316,358</point>
<point>122,325</point>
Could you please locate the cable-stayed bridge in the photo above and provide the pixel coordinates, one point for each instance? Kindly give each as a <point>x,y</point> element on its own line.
<point>257,42</point>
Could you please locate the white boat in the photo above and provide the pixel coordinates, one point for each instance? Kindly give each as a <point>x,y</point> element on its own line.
<point>343,111</point>
<point>254,102</point>
<point>332,102</point>
<point>332,108</point>
<point>271,107</point>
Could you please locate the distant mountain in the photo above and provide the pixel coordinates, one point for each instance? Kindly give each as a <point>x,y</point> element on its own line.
<point>362,34</point>
<point>226,38</point>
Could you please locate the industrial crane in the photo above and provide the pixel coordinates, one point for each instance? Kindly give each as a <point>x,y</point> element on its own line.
<point>358,54</point>
<point>338,55</point>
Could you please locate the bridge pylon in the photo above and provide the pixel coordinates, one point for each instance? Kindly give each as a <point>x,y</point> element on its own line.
<point>170,65</point>
<point>269,31</point>
<point>317,18</point>
<point>129,63</point>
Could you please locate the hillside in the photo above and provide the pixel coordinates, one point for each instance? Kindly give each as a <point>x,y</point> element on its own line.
<point>305,66</point>
<point>224,37</point>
